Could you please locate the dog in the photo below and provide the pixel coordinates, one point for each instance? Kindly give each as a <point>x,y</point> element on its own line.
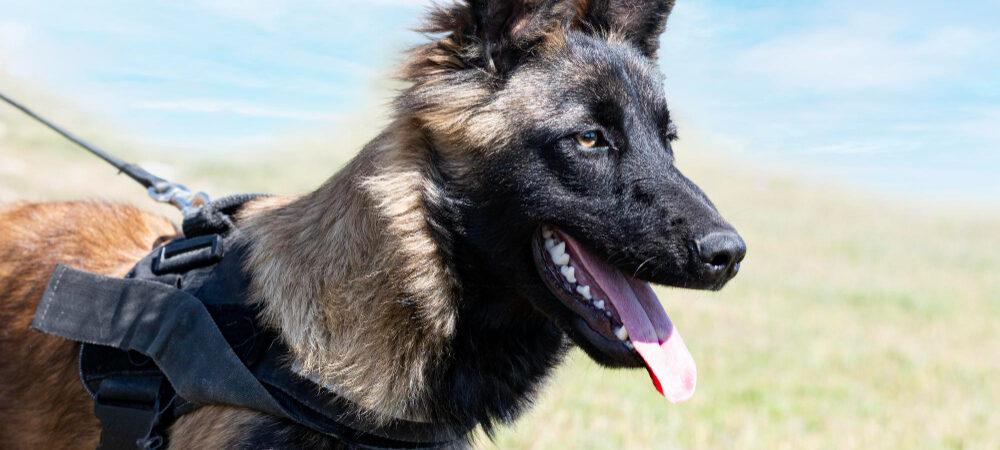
<point>519,204</point>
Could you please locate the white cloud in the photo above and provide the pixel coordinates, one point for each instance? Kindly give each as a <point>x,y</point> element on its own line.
<point>863,54</point>
<point>268,14</point>
<point>13,45</point>
<point>984,124</point>
<point>232,108</point>
<point>262,13</point>
<point>859,147</point>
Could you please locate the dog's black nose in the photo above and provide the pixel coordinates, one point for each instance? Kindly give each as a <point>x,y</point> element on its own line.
<point>721,252</point>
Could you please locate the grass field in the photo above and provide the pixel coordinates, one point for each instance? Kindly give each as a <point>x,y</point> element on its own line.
<point>857,322</point>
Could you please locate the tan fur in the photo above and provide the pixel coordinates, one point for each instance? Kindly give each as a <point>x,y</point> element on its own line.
<point>42,403</point>
<point>336,268</point>
<point>352,278</point>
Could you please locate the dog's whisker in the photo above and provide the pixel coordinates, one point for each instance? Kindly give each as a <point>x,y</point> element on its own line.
<point>637,269</point>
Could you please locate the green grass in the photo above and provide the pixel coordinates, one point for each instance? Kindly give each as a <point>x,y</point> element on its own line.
<point>856,322</point>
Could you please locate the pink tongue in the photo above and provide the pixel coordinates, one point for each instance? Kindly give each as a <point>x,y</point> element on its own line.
<point>668,361</point>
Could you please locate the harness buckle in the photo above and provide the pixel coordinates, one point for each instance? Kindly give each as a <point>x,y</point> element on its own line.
<point>188,253</point>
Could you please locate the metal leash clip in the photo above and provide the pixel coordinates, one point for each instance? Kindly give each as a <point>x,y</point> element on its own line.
<point>178,195</point>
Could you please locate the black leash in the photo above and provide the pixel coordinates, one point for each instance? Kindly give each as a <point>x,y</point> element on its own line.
<point>159,189</point>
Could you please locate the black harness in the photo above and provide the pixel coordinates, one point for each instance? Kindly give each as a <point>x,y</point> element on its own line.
<point>178,332</point>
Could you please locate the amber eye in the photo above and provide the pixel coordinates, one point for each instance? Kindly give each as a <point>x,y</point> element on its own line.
<point>589,139</point>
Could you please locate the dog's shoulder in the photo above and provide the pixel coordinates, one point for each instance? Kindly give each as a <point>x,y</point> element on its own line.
<point>100,237</point>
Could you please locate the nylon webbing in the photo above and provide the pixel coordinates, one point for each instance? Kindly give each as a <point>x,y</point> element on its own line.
<point>166,324</point>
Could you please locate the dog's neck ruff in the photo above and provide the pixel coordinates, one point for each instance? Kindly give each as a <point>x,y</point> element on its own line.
<point>180,332</point>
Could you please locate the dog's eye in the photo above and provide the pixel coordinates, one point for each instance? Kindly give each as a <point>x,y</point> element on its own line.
<point>590,139</point>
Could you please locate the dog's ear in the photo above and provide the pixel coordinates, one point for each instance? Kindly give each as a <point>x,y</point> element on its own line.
<point>639,21</point>
<point>497,34</point>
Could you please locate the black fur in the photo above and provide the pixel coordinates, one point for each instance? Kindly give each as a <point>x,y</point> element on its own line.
<point>628,202</point>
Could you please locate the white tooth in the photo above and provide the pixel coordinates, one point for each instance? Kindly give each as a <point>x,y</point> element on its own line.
<point>629,345</point>
<point>549,243</point>
<point>599,304</point>
<point>546,233</point>
<point>621,333</point>
<point>557,252</point>
<point>561,260</point>
<point>584,291</point>
<point>569,273</point>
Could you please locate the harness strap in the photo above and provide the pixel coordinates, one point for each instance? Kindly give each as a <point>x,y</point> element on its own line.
<point>158,321</point>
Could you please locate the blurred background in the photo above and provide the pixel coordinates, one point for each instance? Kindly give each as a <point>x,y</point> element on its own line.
<point>855,145</point>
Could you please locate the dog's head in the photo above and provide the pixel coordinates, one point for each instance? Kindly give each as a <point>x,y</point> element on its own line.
<point>553,138</point>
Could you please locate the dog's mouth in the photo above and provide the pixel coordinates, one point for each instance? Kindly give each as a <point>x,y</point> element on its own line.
<point>621,314</point>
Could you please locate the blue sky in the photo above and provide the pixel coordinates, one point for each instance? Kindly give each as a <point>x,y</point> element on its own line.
<point>895,96</point>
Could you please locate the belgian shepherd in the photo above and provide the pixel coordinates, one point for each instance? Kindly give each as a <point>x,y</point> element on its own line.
<point>520,203</point>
